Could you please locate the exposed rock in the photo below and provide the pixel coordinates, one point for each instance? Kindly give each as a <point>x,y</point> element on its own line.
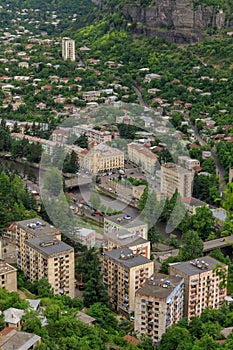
<point>184,20</point>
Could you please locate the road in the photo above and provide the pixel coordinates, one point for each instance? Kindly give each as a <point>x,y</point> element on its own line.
<point>139,95</point>
<point>219,168</point>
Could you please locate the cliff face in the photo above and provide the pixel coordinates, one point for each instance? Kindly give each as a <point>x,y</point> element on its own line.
<point>178,20</point>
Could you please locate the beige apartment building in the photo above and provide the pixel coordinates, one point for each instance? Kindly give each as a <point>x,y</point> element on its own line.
<point>142,156</point>
<point>8,277</point>
<point>158,305</point>
<point>103,158</point>
<point>124,273</point>
<point>32,228</point>
<point>203,285</point>
<point>187,162</point>
<point>126,239</point>
<point>115,223</point>
<point>68,49</point>
<point>53,259</point>
<point>175,177</point>
<point>92,134</point>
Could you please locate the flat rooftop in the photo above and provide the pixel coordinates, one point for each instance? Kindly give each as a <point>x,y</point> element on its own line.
<point>120,219</point>
<point>160,286</point>
<point>5,268</point>
<point>197,266</point>
<point>124,238</point>
<point>125,257</point>
<point>38,227</point>
<point>48,245</point>
<point>179,169</point>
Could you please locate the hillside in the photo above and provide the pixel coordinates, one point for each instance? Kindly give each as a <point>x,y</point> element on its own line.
<point>181,21</point>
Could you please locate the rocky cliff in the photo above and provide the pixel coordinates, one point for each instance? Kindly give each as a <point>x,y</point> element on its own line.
<point>181,21</point>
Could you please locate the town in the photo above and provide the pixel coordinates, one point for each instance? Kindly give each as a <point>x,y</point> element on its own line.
<point>115,192</point>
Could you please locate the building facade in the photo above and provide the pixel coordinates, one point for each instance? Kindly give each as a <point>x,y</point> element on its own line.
<point>188,162</point>
<point>102,158</point>
<point>175,177</point>
<point>68,49</point>
<point>125,239</point>
<point>204,287</point>
<point>114,223</point>
<point>53,259</point>
<point>142,156</point>
<point>158,305</point>
<point>123,274</point>
<point>8,277</point>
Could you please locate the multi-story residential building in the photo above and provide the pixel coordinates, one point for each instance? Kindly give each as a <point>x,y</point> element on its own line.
<point>8,277</point>
<point>41,253</point>
<point>53,259</point>
<point>126,239</point>
<point>142,156</point>
<point>175,177</point>
<point>68,49</point>
<point>124,273</point>
<point>187,162</point>
<point>114,223</point>
<point>92,134</point>
<point>32,228</point>
<point>204,286</point>
<point>60,135</point>
<point>103,158</point>
<point>158,305</point>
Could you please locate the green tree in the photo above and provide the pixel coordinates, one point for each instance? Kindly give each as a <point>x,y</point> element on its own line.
<point>227,202</point>
<point>202,222</point>
<point>192,246</point>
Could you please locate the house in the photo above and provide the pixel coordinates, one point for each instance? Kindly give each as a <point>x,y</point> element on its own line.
<point>84,318</point>
<point>13,339</point>
<point>13,317</point>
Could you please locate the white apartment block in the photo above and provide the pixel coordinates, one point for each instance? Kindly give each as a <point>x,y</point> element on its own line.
<point>68,49</point>
<point>158,305</point>
<point>203,285</point>
<point>175,177</point>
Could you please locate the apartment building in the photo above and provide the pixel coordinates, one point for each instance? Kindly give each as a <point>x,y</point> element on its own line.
<point>103,158</point>
<point>126,239</point>
<point>98,136</point>
<point>8,277</point>
<point>68,49</point>
<point>60,135</point>
<point>175,177</point>
<point>142,156</point>
<point>158,305</point>
<point>115,223</point>
<point>124,273</point>
<point>203,285</point>
<point>53,259</point>
<point>187,162</point>
<point>32,228</point>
